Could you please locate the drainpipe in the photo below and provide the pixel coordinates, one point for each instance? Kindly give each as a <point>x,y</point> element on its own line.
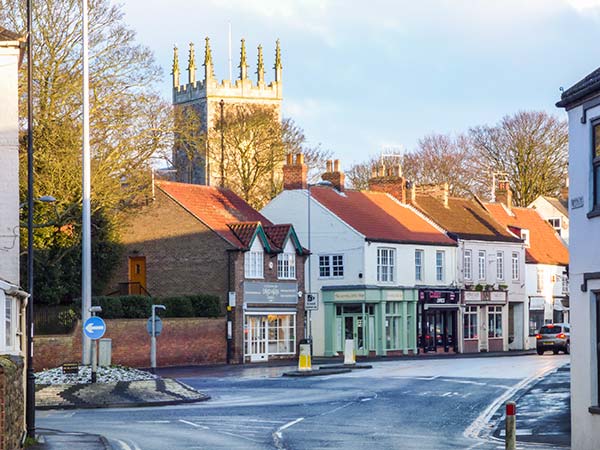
<point>229,329</point>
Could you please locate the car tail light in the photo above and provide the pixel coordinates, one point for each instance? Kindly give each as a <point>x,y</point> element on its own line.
<point>538,336</point>
<point>561,336</point>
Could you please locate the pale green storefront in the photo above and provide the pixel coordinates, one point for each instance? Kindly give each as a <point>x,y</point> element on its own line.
<point>380,320</point>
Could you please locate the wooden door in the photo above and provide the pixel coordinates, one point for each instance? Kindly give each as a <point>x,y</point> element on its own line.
<point>137,275</point>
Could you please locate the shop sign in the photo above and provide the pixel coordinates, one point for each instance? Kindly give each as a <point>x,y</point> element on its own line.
<point>349,295</point>
<point>259,292</point>
<point>498,296</point>
<point>394,295</point>
<point>438,297</point>
<point>472,296</point>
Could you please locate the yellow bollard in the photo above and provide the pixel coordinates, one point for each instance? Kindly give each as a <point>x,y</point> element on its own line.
<point>304,363</point>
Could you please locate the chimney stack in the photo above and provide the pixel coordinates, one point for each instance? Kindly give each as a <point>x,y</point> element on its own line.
<point>439,191</point>
<point>389,181</point>
<point>335,175</point>
<point>504,194</point>
<point>295,172</point>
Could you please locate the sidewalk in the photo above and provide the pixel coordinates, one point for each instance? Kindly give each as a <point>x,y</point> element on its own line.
<point>543,411</point>
<point>60,440</point>
<point>122,394</point>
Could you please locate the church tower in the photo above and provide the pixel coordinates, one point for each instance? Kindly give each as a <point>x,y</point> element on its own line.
<point>197,163</point>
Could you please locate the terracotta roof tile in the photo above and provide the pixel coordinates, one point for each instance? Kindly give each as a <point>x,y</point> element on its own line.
<point>215,207</point>
<point>277,234</point>
<point>380,217</point>
<point>464,217</point>
<point>545,247</point>
<point>244,231</point>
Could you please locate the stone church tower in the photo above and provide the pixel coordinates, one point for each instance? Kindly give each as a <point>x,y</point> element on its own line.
<point>207,98</point>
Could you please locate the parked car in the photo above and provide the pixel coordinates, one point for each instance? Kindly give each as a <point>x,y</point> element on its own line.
<point>555,337</point>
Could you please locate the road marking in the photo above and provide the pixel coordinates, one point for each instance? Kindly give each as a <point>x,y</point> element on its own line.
<point>187,422</point>
<point>153,421</point>
<point>278,436</point>
<point>476,383</point>
<point>125,446</point>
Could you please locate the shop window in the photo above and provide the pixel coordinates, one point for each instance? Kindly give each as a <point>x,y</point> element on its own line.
<point>393,325</point>
<point>470,322</point>
<point>540,280</point>
<point>515,266</point>
<point>331,266</point>
<point>481,264</point>
<point>500,265</point>
<point>440,257</point>
<point>468,264</point>
<point>494,321</point>
<point>419,265</point>
<point>282,334</point>
<point>536,321</point>
<point>386,261</point>
<point>286,266</point>
<point>253,264</point>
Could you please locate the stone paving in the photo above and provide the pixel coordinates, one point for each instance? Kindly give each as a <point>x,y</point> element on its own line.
<point>121,394</point>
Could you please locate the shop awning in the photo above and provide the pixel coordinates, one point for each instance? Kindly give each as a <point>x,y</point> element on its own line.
<point>536,303</point>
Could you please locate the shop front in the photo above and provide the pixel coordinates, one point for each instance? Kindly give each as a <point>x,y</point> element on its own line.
<point>271,327</point>
<point>485,321</point>
<point>380,321</point>
<point>438,320</point>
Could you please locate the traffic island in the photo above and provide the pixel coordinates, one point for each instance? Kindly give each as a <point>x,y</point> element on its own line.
<point>346,366</point>
<point>316,373</point>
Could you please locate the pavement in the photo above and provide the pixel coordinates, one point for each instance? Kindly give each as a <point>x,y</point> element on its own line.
<point>543,406</point>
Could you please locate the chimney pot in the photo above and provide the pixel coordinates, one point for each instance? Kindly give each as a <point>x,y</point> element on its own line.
<point>336,165</point>
<point>329,165</point>
<point>300,159</point>
<point>290,159</point>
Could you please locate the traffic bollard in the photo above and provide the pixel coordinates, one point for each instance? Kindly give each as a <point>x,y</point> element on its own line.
<point>349,355</point>
<point>511,426</point>
<point>304,363</point>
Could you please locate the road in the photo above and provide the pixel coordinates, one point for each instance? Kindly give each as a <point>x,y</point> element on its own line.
<point>418,404</point>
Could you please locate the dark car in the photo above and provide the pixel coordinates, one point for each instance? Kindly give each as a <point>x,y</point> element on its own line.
<point>555,337</point>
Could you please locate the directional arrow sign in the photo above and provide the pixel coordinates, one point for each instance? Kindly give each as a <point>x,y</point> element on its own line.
<point>94,327</point>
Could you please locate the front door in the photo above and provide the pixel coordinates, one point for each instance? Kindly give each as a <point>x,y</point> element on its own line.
<point>137,275</point>
<point>256,338</point>
<point>483,329</point>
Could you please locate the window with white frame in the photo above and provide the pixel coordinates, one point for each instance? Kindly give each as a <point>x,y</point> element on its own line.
<point>470,322</point>
<point>540,280</point>
<point>500,265</point>
<point>8,322</point>
<point>331,266</point>
<point>556,224</point>
<point>286,266</point>
<point>468,264</point>
<point>419,265</point>
<point>481,264</point>
<point>386,261</point>
<point>494,321</point>
<point>440,257</point>
<point>565,283</point>
<point>525,237</point>
<point>515,266</point>
<point>253,264</point>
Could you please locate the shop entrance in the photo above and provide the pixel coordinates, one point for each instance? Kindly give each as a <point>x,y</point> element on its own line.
<point>357,322</point>
<point>438,330</point>
<point>256,338</point>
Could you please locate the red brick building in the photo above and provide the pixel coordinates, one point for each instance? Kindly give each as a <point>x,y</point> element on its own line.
<point>194,239</point>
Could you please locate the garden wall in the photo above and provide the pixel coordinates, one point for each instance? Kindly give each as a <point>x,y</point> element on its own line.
<point>11,402</point>
<point>183,341</point>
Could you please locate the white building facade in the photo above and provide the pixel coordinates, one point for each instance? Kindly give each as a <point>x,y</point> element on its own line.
<point>582,102</point>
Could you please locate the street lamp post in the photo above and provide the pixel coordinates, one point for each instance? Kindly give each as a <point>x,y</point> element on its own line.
<point>308,327</point>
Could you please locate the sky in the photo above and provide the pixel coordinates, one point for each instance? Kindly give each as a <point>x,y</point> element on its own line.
<point>363,78</point>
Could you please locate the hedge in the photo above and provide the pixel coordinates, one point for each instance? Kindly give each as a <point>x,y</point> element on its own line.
<point>140,306</point>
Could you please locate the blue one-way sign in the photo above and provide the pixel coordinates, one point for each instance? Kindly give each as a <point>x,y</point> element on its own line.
<point>94,327</point>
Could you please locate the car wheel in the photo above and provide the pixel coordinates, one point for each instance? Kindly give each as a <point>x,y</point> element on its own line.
<point>540,351</point>
<point>555,352</point>
<point>568,348</point>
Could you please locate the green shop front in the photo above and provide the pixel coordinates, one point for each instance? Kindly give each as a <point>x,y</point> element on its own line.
<point>380,320</point>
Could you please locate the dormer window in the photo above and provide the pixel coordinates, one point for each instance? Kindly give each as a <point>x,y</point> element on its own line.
<point>286,263</point>
<point>525,237</point>
<point>254,260</point>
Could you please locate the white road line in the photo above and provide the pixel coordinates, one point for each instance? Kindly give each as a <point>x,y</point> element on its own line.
<point>125,446</point>
<point>289,424</point>
<point>187,422</point>
<point>476,383</point>
<point>153,421</point>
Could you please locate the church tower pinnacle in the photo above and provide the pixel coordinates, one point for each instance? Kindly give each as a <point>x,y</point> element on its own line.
<point>175,71</point>
<point>243,64</point>
<point>209,72</point>
<point>277,66</point>
<point>260,67</point>
<point>191,65</point>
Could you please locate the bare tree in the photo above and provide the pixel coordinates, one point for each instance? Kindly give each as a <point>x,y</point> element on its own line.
<point>531,147</point>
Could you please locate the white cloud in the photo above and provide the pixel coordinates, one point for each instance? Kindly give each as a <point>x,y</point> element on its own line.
<point>584,5</point>
<point>308,108</point>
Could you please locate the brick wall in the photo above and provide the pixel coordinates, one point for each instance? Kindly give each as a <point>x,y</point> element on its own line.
<point>12,402</point>
<point>183,341</point>
<point>183,256</point>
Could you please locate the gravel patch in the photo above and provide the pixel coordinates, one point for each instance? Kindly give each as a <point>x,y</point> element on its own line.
<point>112,374</point>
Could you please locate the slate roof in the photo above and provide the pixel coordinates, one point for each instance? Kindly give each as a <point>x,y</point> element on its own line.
<point>465,218</point>
<point>216,207</point>
<point>6,35</point>
<point>545,247</point>
<point>379,217</point>
<point>581,90</point>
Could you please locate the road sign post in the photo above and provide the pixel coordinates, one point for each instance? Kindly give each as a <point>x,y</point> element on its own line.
<point>94,328</point>
<point>154,327</point>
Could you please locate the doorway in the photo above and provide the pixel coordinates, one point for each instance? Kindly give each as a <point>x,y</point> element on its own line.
<point>256,338</point>
<point>137,275</point>
<point>357,322</point>
<point>439,331</point>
